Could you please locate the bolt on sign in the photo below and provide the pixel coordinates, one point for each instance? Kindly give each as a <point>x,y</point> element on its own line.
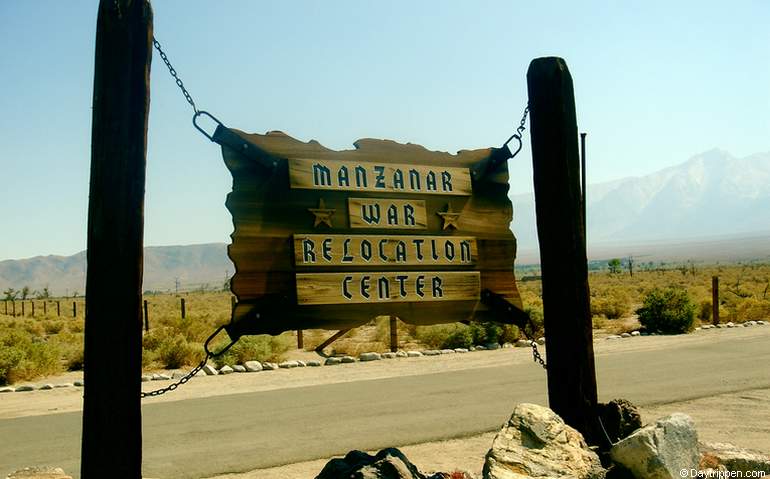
<point>331,239</point>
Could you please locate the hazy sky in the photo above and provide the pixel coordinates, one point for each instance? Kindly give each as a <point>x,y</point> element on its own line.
<point>655,82</point>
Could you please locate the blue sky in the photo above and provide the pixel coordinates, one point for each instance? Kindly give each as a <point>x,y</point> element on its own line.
<point>655,83</point>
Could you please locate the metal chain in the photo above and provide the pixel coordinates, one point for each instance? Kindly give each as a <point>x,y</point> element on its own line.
<point>173,73</point>
<point>520,129</point>
<point>184,379</point>
<point>536,355</point>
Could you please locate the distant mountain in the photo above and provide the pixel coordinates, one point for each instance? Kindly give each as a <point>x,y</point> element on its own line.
<point>193,266</point>
<point>712,194</point>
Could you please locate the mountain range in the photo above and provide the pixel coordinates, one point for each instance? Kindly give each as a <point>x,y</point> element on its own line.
<point>712,206</point>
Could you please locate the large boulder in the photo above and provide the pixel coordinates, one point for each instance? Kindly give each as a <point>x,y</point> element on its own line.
<point>661,450</point>
<point>723,456</point>
<point>620,418</point>
<point>387,464</point>
<point>536,443</point>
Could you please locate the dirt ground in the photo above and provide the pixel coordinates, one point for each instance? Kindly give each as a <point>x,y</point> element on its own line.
<point>739,418</point>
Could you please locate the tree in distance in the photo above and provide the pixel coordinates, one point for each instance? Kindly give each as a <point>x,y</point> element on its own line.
<point>614,265</point>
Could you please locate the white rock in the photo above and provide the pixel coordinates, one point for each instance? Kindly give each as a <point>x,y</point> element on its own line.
<point>332,361</point>
<point>461,350</point>
<point>24,388</point>
<point>253,366</point>
<point>63,385</point>
<point>348,359</point>
<point>614,336</point>
<point>226,370</point>
<point>507,345</point>
<point>541,341</point>
<point>369,357</point>
<point>479,347</point>
<point>448,351</point>
<point>413,354</point>
<point>401,354</point>
<point>660,450</point>
<point>431,352</point>
<point>7,389</point>
<point>389,355</point>
<point>301,364</point>
<point>146,377</point>
<point>210,370</point>
<point>730,324</point>
<point>238,368</point>
<point>635,333</point>
<point>536,443</point>
<point>46,387</point>
<point>313,363</point>
<point>734,458</point>
<point>625,335</point>
<point>523,343</point>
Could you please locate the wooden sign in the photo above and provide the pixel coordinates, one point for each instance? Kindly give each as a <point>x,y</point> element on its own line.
<point>331,239</point>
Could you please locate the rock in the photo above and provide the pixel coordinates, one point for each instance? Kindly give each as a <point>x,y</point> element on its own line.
<point>25,388</point>
<point>751,323</point>
<point>301,364</point>
<point>536,443</point>
<point>253,366</point>
<point>614,336</point>
<point>507,345</point>
<point>431,352</point>
<point>635,333</point>
<point>387,464</point>
<point>389,355</point>
<point>62,385</point>
<point>401,354</point>
<point>479,347</point>
<point>625,335</point>
<point>730,324</point>
<point>313,363</point>
<point>39,473</point>
<point>369,357</point>
<point>706,326</point>
<point>541,341</point>
<point>733,458</point>
<point>720,325</point>
<point>46,387</point>
<point>620,418</point>
<point>146,377</point>
<point>492,346</point>
<point>238,368</point>
<point>288,365</point>
<point>447,351</point>
<point>660,450</point>
<point>472,348</point>
<point>348,359</point>
<point>210,370</point>
<point>697,329</point>
<point>226,370</point>
<point>201,373</point>
<point>160,377</point>
<point>461,350</point>
<point>267,366</point>
<point>7,389</point>
<point>78,383</point>
<point>414,354</point>
<point>332,361</point>
<point>523,343</point>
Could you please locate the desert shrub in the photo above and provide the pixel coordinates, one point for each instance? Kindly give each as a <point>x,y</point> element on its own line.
<point>537,321</point>
<point>752,309</point>
<point>461,337</point>
<point>256,348</point>
<point>436,335</point>
<point>53,326</point>
<point>509,334</point>
<point>667,311</point>
<point>613,306</point>
<point>76,325</point>
<point>23,358</point>
<point>704,310</point>
<point>175,352</point>
<point>70,346</point>
<point>485,332</point>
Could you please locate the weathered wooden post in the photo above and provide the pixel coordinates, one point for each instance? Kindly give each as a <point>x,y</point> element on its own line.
<point>146,318</point>
<point>13,306</point>
<point>300,340</point>
<point>58,308</point>
<point>22,309</point>
<point>393,334</point>
<point>32,303</point>
<point>74,309</point>
<point>715,299</point>
<point>112,427</point>
<point>181,305</point>
<point>5,305</point>
<point>569,337</point>
<point>45,307</point>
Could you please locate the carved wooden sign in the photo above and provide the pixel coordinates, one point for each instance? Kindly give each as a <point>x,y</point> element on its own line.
<point>331,239</point>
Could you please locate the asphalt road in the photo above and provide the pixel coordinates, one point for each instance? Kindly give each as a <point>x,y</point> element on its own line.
<point>203,437</point>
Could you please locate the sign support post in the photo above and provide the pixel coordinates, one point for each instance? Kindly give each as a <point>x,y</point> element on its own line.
<point>569,337</point>
<point>112,427</point>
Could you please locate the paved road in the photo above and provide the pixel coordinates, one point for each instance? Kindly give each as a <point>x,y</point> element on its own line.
<point>203,437</point>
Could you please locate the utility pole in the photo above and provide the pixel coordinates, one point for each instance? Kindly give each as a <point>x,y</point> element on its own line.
<point>559,207</point>
<point>112,422</point>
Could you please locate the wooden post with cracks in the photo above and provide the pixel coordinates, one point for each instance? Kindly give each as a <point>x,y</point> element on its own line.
<point>112,421</point>
<point>556,164</point>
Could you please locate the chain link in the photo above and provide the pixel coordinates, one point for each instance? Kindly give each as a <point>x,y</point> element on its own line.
<point>520,129</point>
<point>183,380</point>
<point>536,355</point>
<point>173,73</point>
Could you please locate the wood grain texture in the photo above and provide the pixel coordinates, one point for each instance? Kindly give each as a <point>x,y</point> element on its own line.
<point>383,287</point>
<point>319,174</point>
<point>380,213</point>
<point>269,215</point>
<point>391,250</point>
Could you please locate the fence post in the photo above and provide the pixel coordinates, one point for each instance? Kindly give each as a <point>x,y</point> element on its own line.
<point>181,303</point>
<point>58,308</point>
<point>393,334</point>
<point>146,318</point>
<point>715,299</point>
<point>22,308</point>
<point>5,304</point>
<point>45,307</point>
<point>74,309</point>
<point>300,340</point>
<point>33,307</point>
<point>13,305</point>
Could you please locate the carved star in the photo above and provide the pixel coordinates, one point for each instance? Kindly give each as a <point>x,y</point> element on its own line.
<point>322,214</point>
<point>450,217</point>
